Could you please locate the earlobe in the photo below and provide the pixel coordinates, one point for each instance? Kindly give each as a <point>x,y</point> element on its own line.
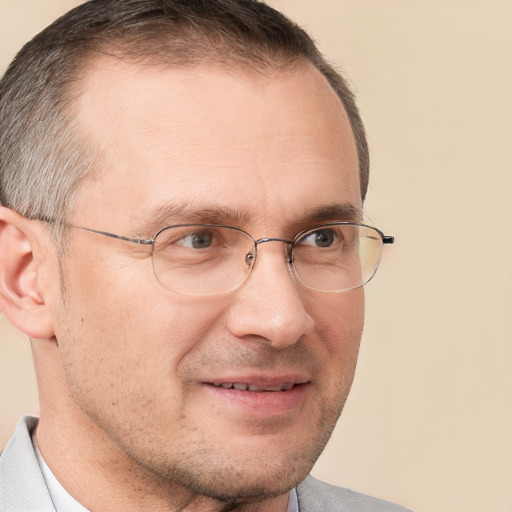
<point>20,299</point>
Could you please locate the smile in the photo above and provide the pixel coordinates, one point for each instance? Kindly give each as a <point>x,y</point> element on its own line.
<point>259,398</point>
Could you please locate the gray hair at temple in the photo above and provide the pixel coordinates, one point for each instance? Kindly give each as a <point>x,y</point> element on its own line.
<point>44,157</point>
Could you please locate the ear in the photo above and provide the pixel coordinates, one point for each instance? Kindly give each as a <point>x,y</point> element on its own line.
<point>20,299</point>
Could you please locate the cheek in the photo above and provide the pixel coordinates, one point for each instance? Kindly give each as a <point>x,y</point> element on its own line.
<point>121,326</point>
<point>339,322</point>
<point>339,319</point>
<point>126,359</point>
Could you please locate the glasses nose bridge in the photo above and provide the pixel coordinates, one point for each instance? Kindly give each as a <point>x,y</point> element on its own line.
<point>288,243</point>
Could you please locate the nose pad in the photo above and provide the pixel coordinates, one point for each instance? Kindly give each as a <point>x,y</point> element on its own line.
<point>250,259</point>
<point>289,261</point>
<point>289,255</point>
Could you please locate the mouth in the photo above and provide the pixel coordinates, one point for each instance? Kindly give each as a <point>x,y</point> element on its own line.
<point>241,386</point>
<point>260,396</point>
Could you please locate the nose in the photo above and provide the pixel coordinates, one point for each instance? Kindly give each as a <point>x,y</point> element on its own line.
<point>269,306</point>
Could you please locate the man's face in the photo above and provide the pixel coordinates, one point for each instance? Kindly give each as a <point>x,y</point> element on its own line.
<point>144,364</point>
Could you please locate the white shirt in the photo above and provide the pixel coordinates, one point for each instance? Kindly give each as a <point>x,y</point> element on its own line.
<point>293,502</point>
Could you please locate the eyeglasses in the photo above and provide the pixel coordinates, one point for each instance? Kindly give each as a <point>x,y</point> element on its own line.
<point>208,259</point>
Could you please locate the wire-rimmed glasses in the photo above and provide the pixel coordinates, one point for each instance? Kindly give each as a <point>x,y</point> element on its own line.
<point>210,259</point>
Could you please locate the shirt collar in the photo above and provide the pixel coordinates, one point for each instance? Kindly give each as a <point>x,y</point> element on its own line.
<point>293,502</point>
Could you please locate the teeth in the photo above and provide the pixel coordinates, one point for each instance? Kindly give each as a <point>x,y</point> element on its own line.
<point>274,388</point>
<point>239,386</point>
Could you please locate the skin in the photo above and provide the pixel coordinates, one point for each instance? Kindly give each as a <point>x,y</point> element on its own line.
<point>130,419</point>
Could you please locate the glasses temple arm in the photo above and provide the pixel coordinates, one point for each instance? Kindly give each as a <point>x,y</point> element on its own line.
<point>141,241</point>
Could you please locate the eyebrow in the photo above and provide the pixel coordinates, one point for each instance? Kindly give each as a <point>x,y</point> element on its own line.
<point>183,213</point>
<point>346,212</point>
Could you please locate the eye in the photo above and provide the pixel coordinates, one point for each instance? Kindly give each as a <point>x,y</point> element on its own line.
<point>199,240</point>
<point>325,237</point>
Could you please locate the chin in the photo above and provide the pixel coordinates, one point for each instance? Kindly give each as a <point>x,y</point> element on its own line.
<point>245,476</point>
<point>254,485</point>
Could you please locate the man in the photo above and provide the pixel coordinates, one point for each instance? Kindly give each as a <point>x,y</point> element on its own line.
<point>182,239</point>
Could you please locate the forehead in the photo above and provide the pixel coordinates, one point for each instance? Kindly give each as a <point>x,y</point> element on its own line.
<point>260,142</point>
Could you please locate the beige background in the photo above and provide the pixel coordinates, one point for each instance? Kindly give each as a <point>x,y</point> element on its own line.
<point>429,421</point>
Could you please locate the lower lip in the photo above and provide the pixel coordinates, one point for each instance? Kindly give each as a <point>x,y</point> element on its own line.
<point>265,403</point>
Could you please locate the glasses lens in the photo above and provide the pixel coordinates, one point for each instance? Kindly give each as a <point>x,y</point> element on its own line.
<point>337,257</point>
<point>202,259</point>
